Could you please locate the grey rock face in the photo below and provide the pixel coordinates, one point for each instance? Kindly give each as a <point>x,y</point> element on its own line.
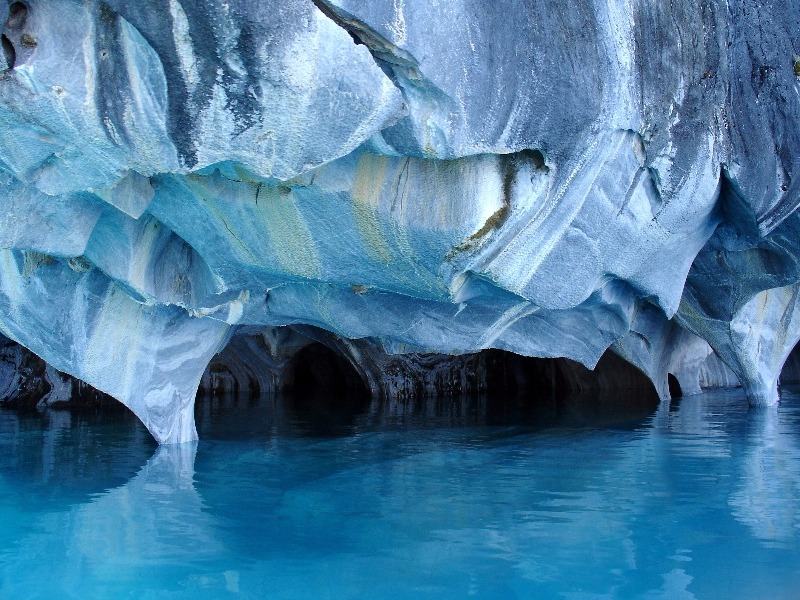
<point>414,178</point>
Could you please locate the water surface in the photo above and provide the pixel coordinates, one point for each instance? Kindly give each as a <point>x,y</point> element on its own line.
<point>570,500</point>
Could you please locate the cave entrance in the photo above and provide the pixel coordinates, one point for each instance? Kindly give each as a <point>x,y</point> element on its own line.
<point>17,14</point>
<point>790,372</point>
<point>674,387</point>
<point>9,52</point>
<point>559,390</point>
<point>322,391</point>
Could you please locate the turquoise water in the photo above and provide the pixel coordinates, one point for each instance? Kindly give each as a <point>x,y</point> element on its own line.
<point>696,500</point>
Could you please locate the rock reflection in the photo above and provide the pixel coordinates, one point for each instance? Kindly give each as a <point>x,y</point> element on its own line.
<point>580,497</point>
<point>155,519</point>
<point>68,456</point>
<point>765,498</point>
<point>230,416</point>
<point>136,536</point>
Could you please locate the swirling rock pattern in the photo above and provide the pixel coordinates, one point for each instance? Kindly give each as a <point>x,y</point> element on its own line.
<point>411,177</point>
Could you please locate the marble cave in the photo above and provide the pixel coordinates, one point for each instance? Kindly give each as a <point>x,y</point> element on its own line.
<point>399,197</point>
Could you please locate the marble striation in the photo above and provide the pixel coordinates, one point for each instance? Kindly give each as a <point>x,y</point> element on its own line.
<point>410,178</point>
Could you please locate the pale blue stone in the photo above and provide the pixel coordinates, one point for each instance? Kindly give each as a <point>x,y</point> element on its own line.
<point>423,176</point>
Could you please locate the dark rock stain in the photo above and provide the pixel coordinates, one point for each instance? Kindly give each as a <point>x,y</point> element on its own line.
<point>112,75</point>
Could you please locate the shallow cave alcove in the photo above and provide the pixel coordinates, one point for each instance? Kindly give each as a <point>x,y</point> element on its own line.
<point>323,390</point>
<point>533,390</point>
<point>9,52</point>
<point>790,373</point>
<point>674,387</point>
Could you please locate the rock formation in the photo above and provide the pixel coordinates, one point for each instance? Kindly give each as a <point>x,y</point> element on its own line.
<point>404,178</point>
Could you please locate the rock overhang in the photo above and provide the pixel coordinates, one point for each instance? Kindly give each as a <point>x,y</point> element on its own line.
<point>617,177</point>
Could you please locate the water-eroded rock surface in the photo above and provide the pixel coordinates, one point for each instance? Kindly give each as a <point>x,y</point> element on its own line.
<point>398,181</point>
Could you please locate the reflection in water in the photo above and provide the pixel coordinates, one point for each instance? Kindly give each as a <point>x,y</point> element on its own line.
<point>586,498</point>
<point>290,415</point>
<point>766,498</point>
<point>59,455</point>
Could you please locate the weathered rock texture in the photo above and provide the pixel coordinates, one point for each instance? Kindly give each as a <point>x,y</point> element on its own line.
<point>413,177</point>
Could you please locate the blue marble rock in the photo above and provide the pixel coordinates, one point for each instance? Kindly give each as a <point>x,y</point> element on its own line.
<point>401,181</point>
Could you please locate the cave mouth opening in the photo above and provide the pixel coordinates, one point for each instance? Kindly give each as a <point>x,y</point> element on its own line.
<point>320,391</point>
<point>675,391</point>
<point>790,372</point>
<point>9,52</point>
<point>552,391</point>
<point>323,392</point>
<point>17,14</point>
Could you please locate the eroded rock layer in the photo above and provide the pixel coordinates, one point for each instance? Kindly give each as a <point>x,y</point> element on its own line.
<point>413,178</point>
